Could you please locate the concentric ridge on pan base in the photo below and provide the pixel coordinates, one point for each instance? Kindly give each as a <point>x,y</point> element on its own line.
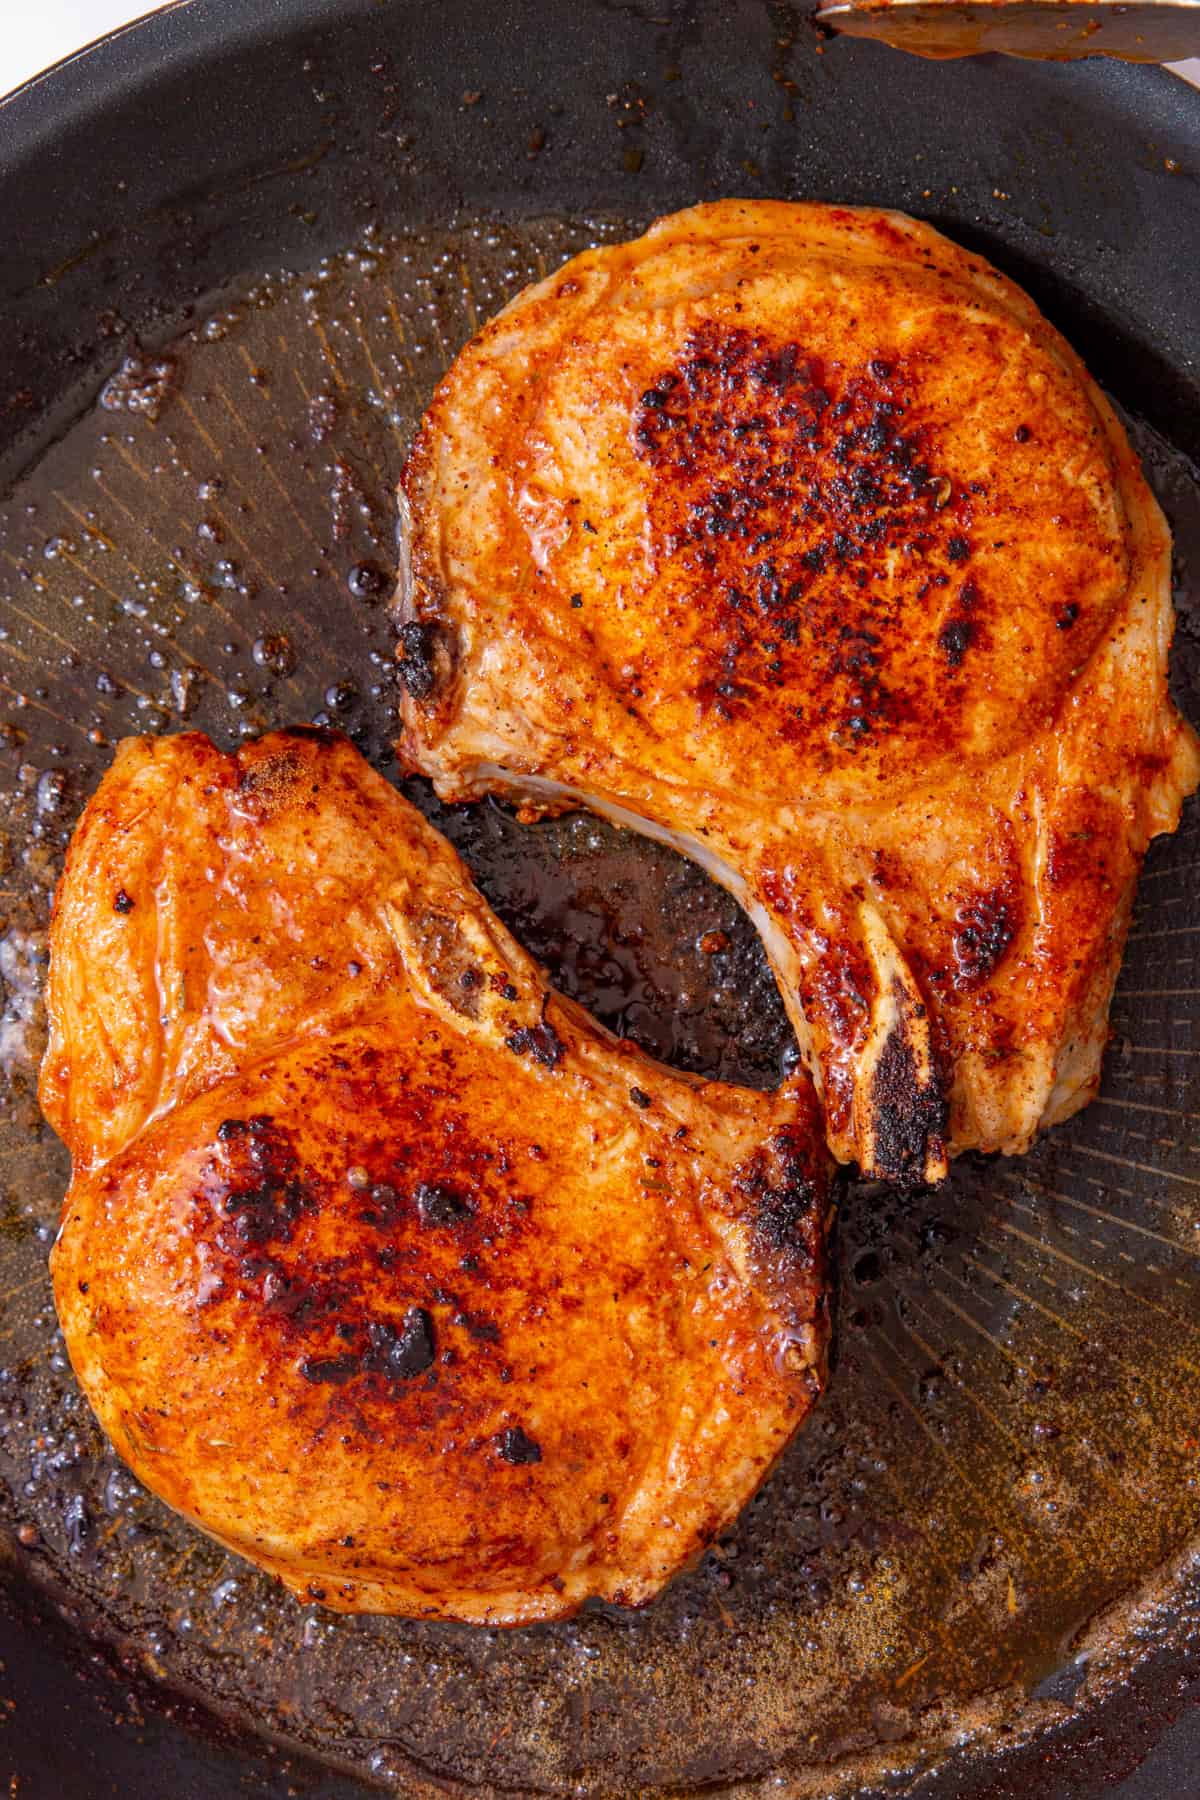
<point>796,536</point>
<point>382,1262</point>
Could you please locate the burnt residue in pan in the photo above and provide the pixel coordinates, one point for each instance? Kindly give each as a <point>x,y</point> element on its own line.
<point>1009,1441</point>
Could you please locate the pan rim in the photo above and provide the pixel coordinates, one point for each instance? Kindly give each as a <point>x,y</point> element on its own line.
<point>179,32</point>
<point>187,31</point>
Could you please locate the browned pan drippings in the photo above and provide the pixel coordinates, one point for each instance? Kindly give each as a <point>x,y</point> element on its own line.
<point>1009,1443</point>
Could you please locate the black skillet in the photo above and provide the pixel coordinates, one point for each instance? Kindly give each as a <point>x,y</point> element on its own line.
<point>971,1576</point>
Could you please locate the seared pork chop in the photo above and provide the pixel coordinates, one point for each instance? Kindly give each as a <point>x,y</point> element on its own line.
<point>795,535</point>
<point>380,1261</point>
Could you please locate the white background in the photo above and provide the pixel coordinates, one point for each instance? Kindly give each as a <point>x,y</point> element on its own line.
<point>46,30</point>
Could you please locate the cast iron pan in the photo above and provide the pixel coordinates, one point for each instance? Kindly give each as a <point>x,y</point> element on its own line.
<point>258,233</point>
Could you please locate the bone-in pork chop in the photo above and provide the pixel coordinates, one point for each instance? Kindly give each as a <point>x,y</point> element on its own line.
<point>381,1261</point>
<point>795,535</point>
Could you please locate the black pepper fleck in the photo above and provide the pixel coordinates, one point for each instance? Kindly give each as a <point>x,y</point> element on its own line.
<point>442,1205</point>
<point>516,1446</point>
<point>541,1042</point>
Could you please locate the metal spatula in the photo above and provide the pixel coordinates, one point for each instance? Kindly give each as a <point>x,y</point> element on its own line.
<point>1137,30</point>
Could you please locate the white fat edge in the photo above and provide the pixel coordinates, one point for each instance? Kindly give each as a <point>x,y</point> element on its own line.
<point>402,594</point>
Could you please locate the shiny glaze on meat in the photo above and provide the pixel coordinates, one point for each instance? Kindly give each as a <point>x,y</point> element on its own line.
<point>795,535</point>
<point>381,1261</point>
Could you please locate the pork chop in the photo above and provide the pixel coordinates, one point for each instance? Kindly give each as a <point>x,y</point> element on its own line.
<point>382,1262</point>
<point>796,536</point>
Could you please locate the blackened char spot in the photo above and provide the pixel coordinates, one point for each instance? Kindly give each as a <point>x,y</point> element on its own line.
<point>438,1205</point>
<point>954,640</point>
<point>261,1191</point>
<point>776,368</point>
<point>782,1211</point>
<point>784,1188</point>
<point>417,652</point>
<point>541,1042</point>
<point>516,1446</point>
<point>908,1114</point>
<point>985,930</point>
<point>400,1354</point>
<point>122,902</point>
<point>786,490</point>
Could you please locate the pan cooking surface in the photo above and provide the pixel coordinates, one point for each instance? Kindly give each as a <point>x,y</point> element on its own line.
<point>1008,1446</point>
